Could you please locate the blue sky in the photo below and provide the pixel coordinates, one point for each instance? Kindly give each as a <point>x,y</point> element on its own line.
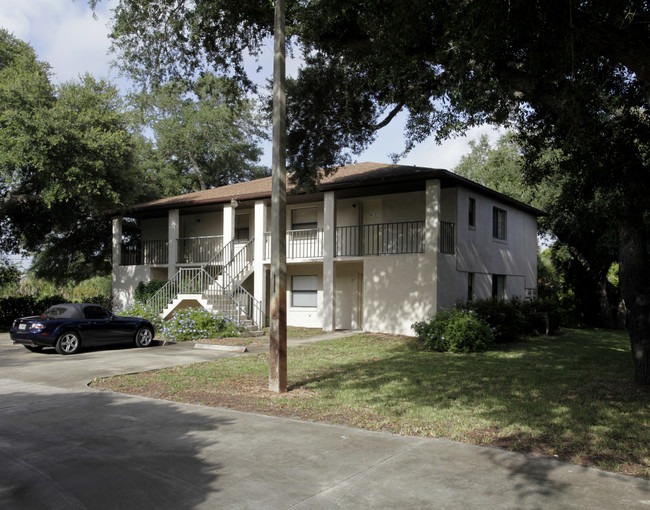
<point>65,34</point>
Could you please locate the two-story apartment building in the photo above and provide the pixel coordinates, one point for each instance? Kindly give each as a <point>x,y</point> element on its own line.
<point>376,247</point>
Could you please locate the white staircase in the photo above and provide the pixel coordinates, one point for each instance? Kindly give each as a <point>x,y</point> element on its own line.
<point>216,286</point>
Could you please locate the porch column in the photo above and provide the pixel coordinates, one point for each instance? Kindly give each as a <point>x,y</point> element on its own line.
<point>258,263</point>
<point>228,223</point>
<point>117,242</point>
<point>432,233</point>
<point>173,233</point>
<point>329,252</point>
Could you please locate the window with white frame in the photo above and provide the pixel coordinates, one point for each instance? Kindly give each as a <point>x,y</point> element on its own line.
<point>499,223</point>
<point>304,291</point>
<point>499,286</point>
<point>304,219</point>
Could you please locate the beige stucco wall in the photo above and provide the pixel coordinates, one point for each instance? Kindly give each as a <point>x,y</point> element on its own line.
<point>154,229</point>
<point>479,253</point>
<point>204,224</point>
<point>125,280</point>
<point>397,291</point>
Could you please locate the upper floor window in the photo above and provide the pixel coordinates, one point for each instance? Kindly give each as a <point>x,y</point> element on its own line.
<point>499,223</point>
<point>304,219</point>
<point>471,213</point>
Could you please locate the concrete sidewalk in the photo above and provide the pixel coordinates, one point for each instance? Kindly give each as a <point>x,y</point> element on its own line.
<point>73,447</point>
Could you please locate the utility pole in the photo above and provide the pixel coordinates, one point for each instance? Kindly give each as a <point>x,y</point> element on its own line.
<point>278,308</point>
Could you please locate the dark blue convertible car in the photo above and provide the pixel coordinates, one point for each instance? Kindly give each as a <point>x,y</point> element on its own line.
<point>69,326</point>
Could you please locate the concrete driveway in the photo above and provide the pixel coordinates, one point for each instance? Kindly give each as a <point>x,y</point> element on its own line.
<point>66,446</point>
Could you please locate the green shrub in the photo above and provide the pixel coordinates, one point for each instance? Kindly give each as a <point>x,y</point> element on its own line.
<point>12,308</point>
<point>504,317</point>
<point>145,291</point>
<point>198,323</point>
<point>455,330</point>
<point>88,291</point>
<point>140,309</point>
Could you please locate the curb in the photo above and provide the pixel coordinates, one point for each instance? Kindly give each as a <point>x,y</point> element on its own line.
<point>216,347</point>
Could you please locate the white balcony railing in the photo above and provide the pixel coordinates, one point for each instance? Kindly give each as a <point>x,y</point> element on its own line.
<point>301,244</point>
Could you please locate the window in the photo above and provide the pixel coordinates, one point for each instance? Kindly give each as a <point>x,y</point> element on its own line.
<point>498,286</point>
<point>499,223</point>
<point>304,291</point>
<point>96,312</point>
<point>471,211</point>
<point>242,222</point>
<point>470,286</point>
<point>304,219</point>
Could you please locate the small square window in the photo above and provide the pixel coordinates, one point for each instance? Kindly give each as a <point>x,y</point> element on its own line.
<point>499,223</point>
<point>304,291</point>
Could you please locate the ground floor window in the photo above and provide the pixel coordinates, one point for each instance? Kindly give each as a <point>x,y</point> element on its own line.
<point>304,291</point>
<point>470,286</point>
<point>498,286</point>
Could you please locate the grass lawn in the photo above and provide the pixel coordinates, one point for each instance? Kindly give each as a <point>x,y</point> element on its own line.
<point>570,397</point>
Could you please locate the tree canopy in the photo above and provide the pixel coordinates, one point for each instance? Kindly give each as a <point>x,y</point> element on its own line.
<point>66,160</point>
<point>204,137</point>
<point>574,74</point>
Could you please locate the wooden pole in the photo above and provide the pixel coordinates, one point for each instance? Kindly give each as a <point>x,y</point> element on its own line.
<point>278,305</point>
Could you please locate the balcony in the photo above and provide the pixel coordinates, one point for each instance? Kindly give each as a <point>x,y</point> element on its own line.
<point>197,250</point>
<point>191,250</point>
<point>381,239</point>
<point>301,244</point>
<point>145,252</point>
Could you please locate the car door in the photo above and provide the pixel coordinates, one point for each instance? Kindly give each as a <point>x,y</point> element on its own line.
<point>97,324</point>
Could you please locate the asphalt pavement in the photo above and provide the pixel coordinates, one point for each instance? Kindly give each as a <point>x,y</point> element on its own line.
<point>64,445</point>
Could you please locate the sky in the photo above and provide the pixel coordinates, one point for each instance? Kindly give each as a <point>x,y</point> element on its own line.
<point>74,41</point>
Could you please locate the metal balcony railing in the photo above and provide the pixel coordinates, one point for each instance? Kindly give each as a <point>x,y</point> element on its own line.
<point>144,253</point>
<point>196,250</point>
<point>380,239</point>
<point>301,244</point>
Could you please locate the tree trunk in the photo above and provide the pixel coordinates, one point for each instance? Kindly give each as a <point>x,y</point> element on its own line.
<point>606,316</point>
<point>633,257</point>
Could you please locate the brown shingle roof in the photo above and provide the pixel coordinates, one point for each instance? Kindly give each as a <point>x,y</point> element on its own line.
<point>348,176</point>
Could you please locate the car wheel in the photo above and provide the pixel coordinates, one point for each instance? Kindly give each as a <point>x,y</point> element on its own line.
<point>143,337</point>
<point>68,343</point>
<point>34,348</point>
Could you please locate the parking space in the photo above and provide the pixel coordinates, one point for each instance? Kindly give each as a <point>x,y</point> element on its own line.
<point>77,370</point>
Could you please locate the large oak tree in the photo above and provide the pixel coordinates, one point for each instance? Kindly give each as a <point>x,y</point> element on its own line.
<point>575,74</point>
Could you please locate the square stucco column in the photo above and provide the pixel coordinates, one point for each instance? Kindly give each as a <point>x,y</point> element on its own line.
<point>329,251</point>
<point>258,264</point>
<point>173,233</point>
<point>117,242</point>
<point>228,223</point>
<point>432,232</point>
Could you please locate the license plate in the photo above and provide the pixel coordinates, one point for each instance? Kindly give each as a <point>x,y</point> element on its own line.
<point>22,326</point>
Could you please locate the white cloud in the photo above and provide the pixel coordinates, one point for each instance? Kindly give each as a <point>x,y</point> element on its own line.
<point>63,33</point>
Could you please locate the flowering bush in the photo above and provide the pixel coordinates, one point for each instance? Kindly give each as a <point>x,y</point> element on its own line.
<point>455,330</point>
<point>198,323</point>
<point>140,309</point>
